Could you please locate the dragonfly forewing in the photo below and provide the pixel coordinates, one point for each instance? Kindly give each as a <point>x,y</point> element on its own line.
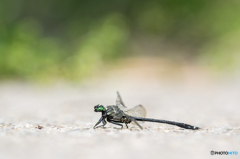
<point>119,101</point>
<point>137,111</point>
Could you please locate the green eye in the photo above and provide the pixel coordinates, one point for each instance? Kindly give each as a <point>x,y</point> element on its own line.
<point>100,108</point>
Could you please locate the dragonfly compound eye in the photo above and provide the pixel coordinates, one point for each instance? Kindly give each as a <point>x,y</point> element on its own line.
<point>95,108</point>
<point>101,108</point>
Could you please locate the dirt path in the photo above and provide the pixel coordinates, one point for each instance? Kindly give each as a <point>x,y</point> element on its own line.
<point>65,114</point>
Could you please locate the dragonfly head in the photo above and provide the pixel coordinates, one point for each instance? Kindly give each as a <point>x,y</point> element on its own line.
<point>99,108</point>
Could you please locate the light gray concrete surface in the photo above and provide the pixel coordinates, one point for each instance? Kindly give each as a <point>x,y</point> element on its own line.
<point>65,111</point>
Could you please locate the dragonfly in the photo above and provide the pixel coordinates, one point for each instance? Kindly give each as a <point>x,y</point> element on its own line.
<point>119,114</point>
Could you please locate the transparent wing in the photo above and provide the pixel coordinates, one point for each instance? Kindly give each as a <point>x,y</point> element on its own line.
<point>137,111</point>
<point>119,102</point>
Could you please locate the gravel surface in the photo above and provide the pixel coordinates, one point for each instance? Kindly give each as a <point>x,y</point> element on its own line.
<point>55,122</point>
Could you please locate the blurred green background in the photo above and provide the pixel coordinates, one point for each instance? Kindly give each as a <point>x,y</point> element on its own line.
<point>73,39</point>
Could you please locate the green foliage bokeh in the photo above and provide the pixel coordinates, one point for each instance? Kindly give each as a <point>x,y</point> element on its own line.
<point>71,39</point>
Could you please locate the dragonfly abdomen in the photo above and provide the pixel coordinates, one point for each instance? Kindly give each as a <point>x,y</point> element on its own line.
<point>150,120</point>
<point>182,125</point>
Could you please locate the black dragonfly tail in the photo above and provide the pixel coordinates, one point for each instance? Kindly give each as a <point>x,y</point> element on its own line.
<point>182,125</point>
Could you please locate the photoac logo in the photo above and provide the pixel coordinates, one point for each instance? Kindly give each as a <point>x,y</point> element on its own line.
<point>212,152</point>
<point>223,152</point>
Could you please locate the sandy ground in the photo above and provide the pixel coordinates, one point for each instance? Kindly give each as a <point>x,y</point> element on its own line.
<point>55,121</point>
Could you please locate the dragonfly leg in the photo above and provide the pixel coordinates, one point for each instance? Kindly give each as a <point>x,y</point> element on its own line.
<point>126,125</point>
<point>137,123</point>
<point>104,123</point>
<point>98,122</point>
<point>115,123</point>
